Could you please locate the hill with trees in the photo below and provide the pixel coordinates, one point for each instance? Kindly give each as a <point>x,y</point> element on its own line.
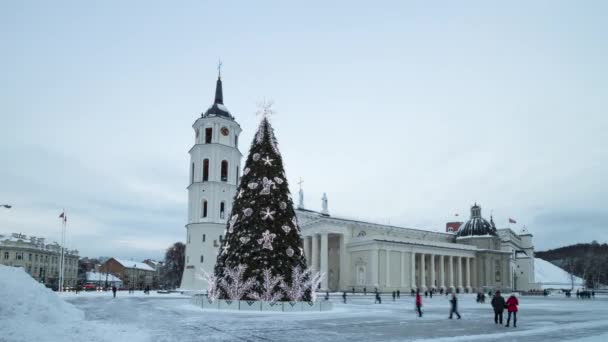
<point>586,260</point>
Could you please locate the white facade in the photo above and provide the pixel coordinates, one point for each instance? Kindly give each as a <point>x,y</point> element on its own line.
<point>364,255</point>
<point>215,164</point>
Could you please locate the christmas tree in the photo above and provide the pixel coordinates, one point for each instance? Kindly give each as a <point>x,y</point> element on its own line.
<point>261,256</point>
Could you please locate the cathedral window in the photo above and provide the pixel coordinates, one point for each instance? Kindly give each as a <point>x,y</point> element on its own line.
<point>196,133</point>
<point>236,141</point>
<point>222,207</point>
<point>192,174</point>
<point>221,238</point>
<point>187,259</point>
<point>202,258</point>
<point>188,238</point>
<point>204,237</point>
<point>224,172</point>
<point>237,175</point>
<point>208,134</point>
<point>5,255</point>
<point>204,209</point>
<point>205,170</point>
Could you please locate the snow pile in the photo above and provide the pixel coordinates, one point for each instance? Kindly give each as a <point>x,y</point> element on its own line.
<point>23,299</point>
<point>548,275</point>
<point>31,312</point>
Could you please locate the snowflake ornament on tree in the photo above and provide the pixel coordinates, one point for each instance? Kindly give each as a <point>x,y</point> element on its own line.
<point>268,161</point>
<point>267,214</point>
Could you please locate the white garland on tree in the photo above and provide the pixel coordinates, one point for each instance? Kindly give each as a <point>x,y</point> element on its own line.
<point>236,288</point>
<point>296,289</point>
<point>212,285</point>
<point>270,282</point>
<point>313,283</point>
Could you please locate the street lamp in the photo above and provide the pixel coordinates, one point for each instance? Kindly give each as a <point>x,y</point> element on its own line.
<point>7,206</point>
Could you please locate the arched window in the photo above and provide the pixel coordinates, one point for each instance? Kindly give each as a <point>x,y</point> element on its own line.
<point>205,170</point>
<point>204,209</point>
<point>237,175</point>
<point>224,172</point>
<point>202,258</point>
<point>208,134</point>
<point>203,237</point>
<point>236,141</point>
<point>192,174</point>
<point>222,206</point>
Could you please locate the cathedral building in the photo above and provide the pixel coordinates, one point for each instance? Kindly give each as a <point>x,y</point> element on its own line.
<point>351,253</point>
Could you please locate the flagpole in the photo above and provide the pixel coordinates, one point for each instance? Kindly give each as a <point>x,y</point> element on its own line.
<point>62,257</point>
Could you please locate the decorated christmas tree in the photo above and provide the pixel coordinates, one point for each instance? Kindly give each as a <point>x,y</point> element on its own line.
<point>261,256</point>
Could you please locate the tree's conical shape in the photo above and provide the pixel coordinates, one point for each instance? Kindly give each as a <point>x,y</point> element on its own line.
<point>262,230</point>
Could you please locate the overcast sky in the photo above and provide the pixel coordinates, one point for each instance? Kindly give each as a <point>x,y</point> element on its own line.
<point>402,112</point>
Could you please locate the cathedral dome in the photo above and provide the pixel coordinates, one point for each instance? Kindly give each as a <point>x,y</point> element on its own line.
<point>477,225</point>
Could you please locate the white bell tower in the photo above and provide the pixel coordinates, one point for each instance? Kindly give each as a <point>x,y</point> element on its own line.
<point>215,164</point>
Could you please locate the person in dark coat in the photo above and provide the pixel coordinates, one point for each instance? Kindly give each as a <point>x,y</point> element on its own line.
<point>114,291</point>
<point>327,295</point>
<point>378,299</point>
<point>365,291</point>
<point>512,304</point>
<point>418,303</point>
<point>498,304</point>
<point>353,290</point>
<point>454,306</point>
<point>431,293</point>
<point>398,294</point>
<point>344,296</point>
<point>394,295</point>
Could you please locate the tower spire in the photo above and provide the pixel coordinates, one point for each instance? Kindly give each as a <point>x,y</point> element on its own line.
<point>219,94</point>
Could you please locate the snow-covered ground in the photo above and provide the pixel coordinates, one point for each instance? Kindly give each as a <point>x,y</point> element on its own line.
<point>30,312</point>
<point>173,318</point>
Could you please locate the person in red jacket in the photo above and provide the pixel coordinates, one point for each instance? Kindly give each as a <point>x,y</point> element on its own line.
<point>418,303</point>
<point>512,304</point>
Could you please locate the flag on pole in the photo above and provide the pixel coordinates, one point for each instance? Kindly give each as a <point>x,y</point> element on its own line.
<point>64,217</point>
<point>512,220</point>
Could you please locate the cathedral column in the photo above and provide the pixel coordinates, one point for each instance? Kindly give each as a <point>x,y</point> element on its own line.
<point>413,271</point>
<point>451,271</point>
<point>468,266</point>
<point>432,271</point>
<point>315,253</point>
<point>373,265</point>
<point>459,273</point>
<point>402,268</point>
<point>422,273</point>
<point>441,272</point>
<point>324,261</point>
<point>307,250</point>
<point>388,268</point>
<point>344,267</point>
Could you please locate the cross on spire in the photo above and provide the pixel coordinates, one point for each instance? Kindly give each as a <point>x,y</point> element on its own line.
<point>219,68</point>
<point>300,183</point>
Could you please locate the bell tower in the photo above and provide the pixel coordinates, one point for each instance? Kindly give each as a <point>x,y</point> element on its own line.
<point>215,163</point>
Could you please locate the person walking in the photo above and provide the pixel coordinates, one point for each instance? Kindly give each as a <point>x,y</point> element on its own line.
<point>418,303</point>
<point>114,291</point>
<point>327,296</point>
<point>344,296</point>
<point>398,294</point>
<point>454,306</point>
<point>498,304</point>
<point>378,298</point>
<point>394,295</point>
<point>512,304</point>
<point>365,291</point>
<point>431,293</point>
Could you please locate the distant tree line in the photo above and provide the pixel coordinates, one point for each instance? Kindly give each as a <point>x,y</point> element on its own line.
<point>588,261</point>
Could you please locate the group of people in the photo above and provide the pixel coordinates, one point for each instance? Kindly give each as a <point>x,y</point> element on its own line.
<point>585,294</point>
<point>499,305</point>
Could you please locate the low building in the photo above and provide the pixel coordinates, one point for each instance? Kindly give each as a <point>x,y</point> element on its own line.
<point>133,274</point>
<point>38,259</point>
<point>100,279</point>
